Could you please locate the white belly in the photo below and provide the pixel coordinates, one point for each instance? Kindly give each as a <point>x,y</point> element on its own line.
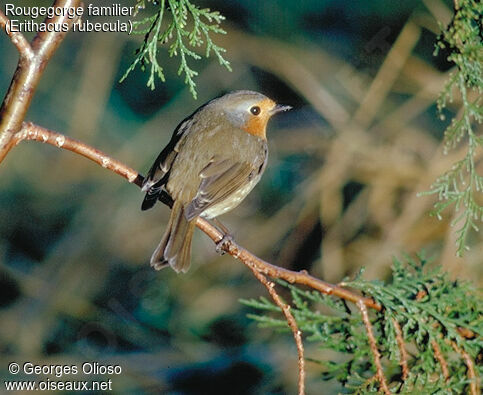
<point>231,201</point>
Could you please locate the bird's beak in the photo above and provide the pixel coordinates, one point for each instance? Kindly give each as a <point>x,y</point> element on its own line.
<point>279,108</point>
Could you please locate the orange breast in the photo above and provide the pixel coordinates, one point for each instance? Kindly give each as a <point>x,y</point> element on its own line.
<point>257,124</point>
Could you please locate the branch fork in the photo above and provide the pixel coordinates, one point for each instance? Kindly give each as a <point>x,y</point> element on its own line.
<point>32,61</point>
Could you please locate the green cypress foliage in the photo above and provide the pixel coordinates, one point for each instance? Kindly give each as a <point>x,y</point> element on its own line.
<point>427,304</point>
<point>182,27</point>
<point>462,185</point>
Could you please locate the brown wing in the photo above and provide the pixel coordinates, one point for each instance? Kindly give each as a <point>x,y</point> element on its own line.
<point>154,183</point>
<point>220,179</point>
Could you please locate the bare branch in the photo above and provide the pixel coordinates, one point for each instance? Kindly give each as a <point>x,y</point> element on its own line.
<point>31,131</point>
<point>372,343</point>
<point>18,39</point>
<point>290,276</point>
<point>403,357</point>
<point>291,323</point>
<point>440,358</point>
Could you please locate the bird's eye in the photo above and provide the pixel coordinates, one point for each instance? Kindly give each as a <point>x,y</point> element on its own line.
<point>255,110</point>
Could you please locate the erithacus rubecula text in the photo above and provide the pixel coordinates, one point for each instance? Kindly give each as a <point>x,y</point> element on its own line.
<point>213,160</point>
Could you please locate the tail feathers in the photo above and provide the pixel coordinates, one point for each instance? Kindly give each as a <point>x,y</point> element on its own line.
<point>174,249</point>
<point>183,260</point>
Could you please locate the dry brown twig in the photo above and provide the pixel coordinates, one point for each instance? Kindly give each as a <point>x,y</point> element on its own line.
<point>285,308</point>
<point>440,358</point>
<point>403,358</point>
<point>470,365</point>
<point>372,343</point>
<point>32,61</point>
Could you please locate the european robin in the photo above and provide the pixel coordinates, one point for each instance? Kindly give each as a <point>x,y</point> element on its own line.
<point>213,160</point>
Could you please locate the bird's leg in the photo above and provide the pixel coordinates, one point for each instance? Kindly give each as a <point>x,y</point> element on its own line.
<point>221,227</point>
<point>227,237</point>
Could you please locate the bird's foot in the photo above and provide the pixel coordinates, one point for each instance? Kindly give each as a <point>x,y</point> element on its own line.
<point>223,244</point>
<point>227,237</point>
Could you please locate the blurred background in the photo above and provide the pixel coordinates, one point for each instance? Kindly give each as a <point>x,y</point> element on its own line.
<point>339,193</point>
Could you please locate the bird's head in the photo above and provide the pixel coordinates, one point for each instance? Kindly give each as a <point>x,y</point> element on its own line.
<point>249,111</point>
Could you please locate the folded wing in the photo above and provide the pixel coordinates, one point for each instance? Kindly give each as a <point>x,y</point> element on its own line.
<point>219,179</point>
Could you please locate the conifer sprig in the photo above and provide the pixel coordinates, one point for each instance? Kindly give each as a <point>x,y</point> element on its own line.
<point>462,185</point>
<point>429,308</point>
<point>182,27</point>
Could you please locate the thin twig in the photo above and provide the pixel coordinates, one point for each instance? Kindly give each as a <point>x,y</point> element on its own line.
<point>474,382</point>
<point>403,357</point>
<point>440,358</point>
<point>18,39</point>
<point>292,277</point>
<point>31,131</point>
<point>291,323</point>
<point>372,343</point>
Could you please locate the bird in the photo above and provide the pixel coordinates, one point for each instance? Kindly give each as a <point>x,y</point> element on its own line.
<point>214,159</point>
